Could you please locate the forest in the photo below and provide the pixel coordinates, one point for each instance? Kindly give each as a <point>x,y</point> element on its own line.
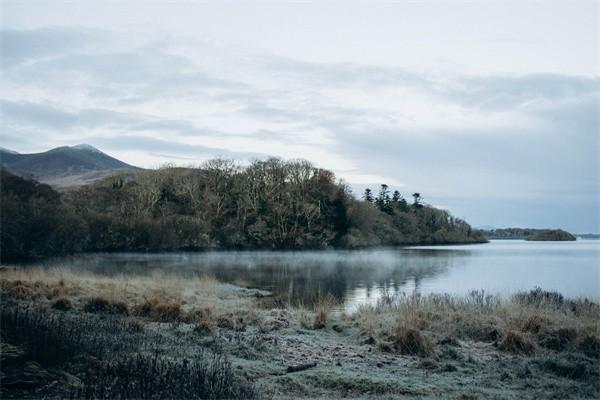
<point>269,204</point>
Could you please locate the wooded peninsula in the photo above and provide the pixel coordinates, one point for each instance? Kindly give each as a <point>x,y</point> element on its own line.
<point>270,204</point>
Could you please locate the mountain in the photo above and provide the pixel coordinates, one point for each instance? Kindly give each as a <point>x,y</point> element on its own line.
<point>65,166</point>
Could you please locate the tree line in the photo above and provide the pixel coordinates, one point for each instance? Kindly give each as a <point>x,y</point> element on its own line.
<point>270,204</point>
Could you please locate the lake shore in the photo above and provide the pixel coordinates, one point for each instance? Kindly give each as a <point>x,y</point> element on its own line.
<point>66,332</point>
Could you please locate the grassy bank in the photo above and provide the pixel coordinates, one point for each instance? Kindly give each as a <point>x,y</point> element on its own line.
<point>72,334</point>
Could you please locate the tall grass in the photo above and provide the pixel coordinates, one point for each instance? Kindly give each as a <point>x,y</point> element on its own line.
<point>524,321</point>
<point>128,363</point>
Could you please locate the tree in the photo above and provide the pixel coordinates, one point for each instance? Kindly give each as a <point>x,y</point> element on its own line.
<point>417,200</point>
<point>383,200</point>
<point>368,196</point>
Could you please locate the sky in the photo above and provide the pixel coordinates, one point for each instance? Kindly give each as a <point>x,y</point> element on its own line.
<point>488,109</point>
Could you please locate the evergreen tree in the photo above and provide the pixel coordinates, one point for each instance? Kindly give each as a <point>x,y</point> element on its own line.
<point>417,203</point>
<point>383,201</point>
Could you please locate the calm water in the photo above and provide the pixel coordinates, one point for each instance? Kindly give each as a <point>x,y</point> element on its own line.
<point>499,267</point>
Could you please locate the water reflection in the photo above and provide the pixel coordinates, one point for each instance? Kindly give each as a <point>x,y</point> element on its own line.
<point>359,277</point>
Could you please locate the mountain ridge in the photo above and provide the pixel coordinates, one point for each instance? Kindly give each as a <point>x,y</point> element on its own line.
<point>64,167</point>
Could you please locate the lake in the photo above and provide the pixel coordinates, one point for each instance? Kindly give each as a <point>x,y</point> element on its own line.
<point>356,277</point>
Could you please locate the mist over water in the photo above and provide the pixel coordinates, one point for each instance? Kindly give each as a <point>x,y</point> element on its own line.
<point>360,277</point>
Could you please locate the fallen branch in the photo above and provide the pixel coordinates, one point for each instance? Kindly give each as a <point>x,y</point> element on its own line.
<point>301,367</point>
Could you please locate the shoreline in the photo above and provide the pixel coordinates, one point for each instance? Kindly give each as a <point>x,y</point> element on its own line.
<point>536,344</point>
<point>10,262</point>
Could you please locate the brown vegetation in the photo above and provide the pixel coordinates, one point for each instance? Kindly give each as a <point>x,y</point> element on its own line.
<point>542,332</point>
<point>411,341</point>
<point>516,324</point>
<point>105,306</point>
<point>515,342</point>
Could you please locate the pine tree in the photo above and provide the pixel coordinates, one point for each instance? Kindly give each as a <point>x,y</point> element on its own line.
<point>368,195</point>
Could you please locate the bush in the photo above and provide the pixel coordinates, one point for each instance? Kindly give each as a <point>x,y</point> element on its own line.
<point>62,304</point>
<point>160,311</point>
<point>411,341</point>
<point>101,305</point>
<point>590,345</point>
<point>204,327</point>
<point>535,324</point>
<point>116,352</point>
<point>557,339</point>
<point>538,297</point>
<point>514,342</point>
<point>322,310</point>
<point>158,377</point>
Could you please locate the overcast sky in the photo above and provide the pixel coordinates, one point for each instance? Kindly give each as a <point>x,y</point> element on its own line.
<point>489,110</point>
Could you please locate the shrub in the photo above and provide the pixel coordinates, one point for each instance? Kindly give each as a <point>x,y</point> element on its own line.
<point>566,368</point>
<point>168,312</point>
<point>204,327</point>
<point>322,310</point>
<point>411,341</point>
<point>514,342</point>
<point>118,367</point>
<point>160,311</point>
<point>101,305</point>
<point>535,323</point>
<point>538,297</point>
<point>18,289</point>
<point>140,376</point>
<point>557,339</point>
<point>62,304</point>
<point>590,345</point>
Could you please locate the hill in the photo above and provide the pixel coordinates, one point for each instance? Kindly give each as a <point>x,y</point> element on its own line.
<point>63,167</point>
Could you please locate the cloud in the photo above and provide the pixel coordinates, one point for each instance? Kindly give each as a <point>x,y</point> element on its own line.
<point>30,46</point>
<point>510,139</point>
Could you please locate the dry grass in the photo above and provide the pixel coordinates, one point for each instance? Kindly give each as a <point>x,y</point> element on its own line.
<point>515,342</point>
<point>158,296</point>
<point>62,304</point>
<point>100,305</point>
<point>323,308</point>
<point>520,324</point>
<point>410,341</point>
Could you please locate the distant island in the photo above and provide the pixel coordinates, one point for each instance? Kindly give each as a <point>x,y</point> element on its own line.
<point>588,235</point>
<point>271,204</point>
<point>541,235</point>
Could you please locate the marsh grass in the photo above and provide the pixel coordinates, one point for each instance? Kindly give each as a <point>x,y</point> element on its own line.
<point>322,309</point>
<point>520,324</point>
<point>163,293</point>
<point>121,360</point>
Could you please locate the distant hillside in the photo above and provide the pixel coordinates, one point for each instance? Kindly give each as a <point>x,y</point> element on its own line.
<point>529,234</point>
<point>551,235</point>
<point>63,167</point>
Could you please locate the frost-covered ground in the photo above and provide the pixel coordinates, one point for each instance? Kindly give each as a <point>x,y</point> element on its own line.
<point>69,334</point>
